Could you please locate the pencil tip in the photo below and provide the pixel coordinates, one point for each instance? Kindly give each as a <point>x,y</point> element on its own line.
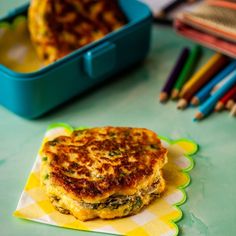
<point>160,14</point>
<point>174,94</point>
<point>182,104</point>
<point>219,106</point>
<point>194,101</point>
<point>229,104</point>
<point>233,111</point>
<point>163,97</point>
<point>198,116</point>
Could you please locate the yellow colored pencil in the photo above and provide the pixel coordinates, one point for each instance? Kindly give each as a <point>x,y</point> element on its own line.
<point>200,73</point>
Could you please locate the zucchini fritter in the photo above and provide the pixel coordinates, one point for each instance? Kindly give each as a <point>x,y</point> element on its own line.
<point>59,27</point>
<point>103,172</point>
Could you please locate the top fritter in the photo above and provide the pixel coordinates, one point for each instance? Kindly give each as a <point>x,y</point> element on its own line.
<point>58,27</point>
<point>93,164</point>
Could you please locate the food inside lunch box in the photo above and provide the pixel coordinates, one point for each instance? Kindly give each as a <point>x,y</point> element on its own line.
<point>59,27</point>
<point>54,29</point>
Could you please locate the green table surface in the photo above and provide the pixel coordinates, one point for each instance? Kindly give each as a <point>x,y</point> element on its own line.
<point>131,101</point>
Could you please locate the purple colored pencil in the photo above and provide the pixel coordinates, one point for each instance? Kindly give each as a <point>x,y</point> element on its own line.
<point>166,90</point>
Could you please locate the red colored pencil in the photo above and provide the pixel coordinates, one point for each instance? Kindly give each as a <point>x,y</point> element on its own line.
<point>222,102</point>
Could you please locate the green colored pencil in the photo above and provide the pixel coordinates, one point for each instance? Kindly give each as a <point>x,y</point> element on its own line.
<point>186,71</point>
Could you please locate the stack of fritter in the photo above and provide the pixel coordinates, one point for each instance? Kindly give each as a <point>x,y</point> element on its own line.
<point>103,172</point>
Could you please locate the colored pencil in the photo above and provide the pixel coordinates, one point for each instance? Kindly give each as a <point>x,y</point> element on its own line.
<point>231,102</point>
<point>168,8</point>
<point>187,71</point>
<point>199,79</point>
<point>220,84</point>
<point>203,93</point>
<point>206,70</point>
<point>221,103</point>
<point>209,104</point>
<point>233,110</point>
<point>164,95</point>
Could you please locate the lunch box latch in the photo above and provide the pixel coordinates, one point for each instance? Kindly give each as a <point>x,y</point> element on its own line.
<point>100,60</point>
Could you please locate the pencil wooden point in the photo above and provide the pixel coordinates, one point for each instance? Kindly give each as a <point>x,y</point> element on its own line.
<point>195,101</point>
<point>163,97</point>
<point>198,116</point>
<point>175,94</point>
<point>219,106</point>
<point>229,104</point>
<point>182,104</point>
<point>160,14</point>
<point>233,110</point>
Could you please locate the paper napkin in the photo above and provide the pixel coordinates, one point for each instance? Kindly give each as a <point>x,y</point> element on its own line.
<point>159,218</point>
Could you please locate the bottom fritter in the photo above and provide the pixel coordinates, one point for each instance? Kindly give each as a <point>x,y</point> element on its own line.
<point>113,207</point>
<point>105,172</point>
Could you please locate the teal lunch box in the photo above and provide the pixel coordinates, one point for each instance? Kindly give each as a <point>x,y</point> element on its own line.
<point>32,94</point>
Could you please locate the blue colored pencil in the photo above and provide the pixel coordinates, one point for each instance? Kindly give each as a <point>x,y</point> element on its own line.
<point>204,93</point>
<point>209,104</point>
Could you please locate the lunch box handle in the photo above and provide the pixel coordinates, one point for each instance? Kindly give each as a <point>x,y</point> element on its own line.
<point>100,60</point>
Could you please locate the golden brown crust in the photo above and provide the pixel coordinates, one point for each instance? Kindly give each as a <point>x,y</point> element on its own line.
<point>59,27</point>
<point>95,163</point>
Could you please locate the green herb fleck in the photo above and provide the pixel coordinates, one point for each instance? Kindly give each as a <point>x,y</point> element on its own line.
<point>45,158</point>
<point>127,133</point>
<point>114,153</point>
<point>100,177</point>
<point>46,176</point>
<point>70,171</point>
<point>154,146</point>
<point>53,143</point>
<point>95,205</point>
<point>74,165</point>
<point>79,132</point>
<point>126,211</point>
<point>112,134</point>
<point>122,174</point>
<point>114,205</point>
<point>138,203</point>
